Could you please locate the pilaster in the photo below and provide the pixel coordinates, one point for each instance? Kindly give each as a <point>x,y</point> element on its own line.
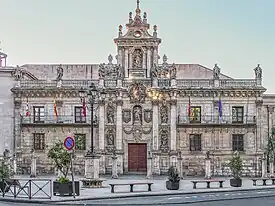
<point>17,124</point>
<point>259,120</point>
<point>126,63</point>
<point>155,104</point>
<point>173,125</point>
<point>101,126</point>
<point>119,147</point>
<point>148,62</point>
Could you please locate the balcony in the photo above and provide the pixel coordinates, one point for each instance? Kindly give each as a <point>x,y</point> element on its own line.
<point>51,120</point>
<point>215,120</point>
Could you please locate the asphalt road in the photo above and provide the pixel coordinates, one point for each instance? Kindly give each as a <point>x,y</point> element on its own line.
<point>194,198</point>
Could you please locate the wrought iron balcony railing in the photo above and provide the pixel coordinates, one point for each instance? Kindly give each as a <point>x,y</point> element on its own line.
<point>60,119</point>
<point>215,119</point>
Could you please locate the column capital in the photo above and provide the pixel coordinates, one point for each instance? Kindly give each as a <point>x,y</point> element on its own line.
<point>101,102</point>
<point>259,103</point>
<point>173,102</point>
<point>17,104</point>
<point>119,102</point>
<point>155,102</point>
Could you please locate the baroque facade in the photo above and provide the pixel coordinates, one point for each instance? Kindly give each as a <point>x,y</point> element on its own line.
<point>145,108</point>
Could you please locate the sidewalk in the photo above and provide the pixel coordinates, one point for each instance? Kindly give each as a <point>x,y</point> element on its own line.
<point>158,188</point>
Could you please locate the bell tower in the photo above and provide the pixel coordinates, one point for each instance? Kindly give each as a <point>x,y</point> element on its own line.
<point>137,49</point>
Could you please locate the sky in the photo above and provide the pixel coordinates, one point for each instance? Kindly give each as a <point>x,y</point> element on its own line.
<point>235,34</point>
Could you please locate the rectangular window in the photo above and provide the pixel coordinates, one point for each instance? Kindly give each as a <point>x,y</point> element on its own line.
<point>39,141</point>
<point>237,114</point>
<point>39,114</point>
<point>195,115</point>
<point>237,142</point>
<point>79,116</point>
<point>195,142</point>
<point>80,141</point>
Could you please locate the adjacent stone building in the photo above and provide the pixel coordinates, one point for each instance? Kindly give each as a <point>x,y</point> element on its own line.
<point>145,108</point>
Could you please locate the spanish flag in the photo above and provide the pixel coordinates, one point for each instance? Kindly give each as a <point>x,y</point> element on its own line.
<point>54,108</point>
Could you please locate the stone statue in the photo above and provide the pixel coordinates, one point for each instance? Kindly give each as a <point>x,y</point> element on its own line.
<point>164,139</point>
<point>110,114</point>
<point>208,154</point>
<point>18,73</point>
<point>137,114</point>
<point>164,59</point>
<point>216,72</point>
<point>258,72</point>
<point>101,71</point>
<point>110,59</point>
<point>173,72</point>
<point>164,114</point>
<point>110,138</point>
<point>59,73</point>
<point>137,59</point>
<point>119,71</point>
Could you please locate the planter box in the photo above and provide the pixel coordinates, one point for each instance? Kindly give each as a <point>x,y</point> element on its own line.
<point>65,189</point>
<point>235,182</point>
<point>172,185</point>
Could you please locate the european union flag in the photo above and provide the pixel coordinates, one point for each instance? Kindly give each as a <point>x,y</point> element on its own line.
<point>220,108</point>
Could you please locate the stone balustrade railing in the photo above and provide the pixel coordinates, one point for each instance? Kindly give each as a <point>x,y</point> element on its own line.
<point>180,83</point>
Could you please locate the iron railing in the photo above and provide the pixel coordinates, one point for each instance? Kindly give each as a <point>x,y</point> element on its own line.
<point>60,119</point>
<point>215,119</point>
<point>26,188</point>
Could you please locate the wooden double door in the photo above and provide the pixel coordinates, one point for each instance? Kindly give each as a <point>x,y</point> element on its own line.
<point>137,157</point>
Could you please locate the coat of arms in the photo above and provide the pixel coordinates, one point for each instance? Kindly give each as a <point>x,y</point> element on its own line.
<point>126,115</point>
<point>148,115</point>
<point>137,92</point>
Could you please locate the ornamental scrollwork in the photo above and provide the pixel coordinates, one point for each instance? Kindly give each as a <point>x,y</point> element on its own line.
<point>126,115</point>
<point>148,115</point>
<point>137,92</point>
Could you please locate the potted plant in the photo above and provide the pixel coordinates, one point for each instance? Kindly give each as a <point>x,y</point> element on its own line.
<point>62,161</point>
<point>236,167</point>
<point>173,182</point>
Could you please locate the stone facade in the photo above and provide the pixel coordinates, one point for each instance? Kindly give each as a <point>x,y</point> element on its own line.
<point>142,100</point>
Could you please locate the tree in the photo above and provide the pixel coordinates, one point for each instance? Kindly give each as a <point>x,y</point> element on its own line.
<point>61,158</point>
<point>236,165</point>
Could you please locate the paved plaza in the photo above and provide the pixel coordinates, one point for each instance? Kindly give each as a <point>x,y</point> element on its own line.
<point>158,188</point>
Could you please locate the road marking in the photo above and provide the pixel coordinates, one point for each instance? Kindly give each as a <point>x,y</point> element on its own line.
<point>194,196</point>
<point>187,197</point>
<point>226,194</point>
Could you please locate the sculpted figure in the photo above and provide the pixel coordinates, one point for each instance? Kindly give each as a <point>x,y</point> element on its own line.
<point>216,72</point>
<point>258,72</point>
<point>59,73</point>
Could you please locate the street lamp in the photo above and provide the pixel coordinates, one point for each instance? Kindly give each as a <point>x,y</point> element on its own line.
<point>91,94</point>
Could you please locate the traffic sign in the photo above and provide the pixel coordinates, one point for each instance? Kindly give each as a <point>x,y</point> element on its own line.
<point>69,143</point>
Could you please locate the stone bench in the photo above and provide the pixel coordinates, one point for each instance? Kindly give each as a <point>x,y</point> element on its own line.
<point>131,185</point>
<point>207,182</point>
<point>263,179</point>
<point>92,183</point>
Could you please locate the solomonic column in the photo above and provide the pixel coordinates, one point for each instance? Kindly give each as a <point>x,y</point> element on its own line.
<point>119,145</point>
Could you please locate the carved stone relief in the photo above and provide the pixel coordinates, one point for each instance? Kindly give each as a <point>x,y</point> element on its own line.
<point>164,114</point>
<point>110,70</point>
<point>148,115</point>
<point>137,114</point>
<point>164,140</point>
<point>137,92</point>
<point>110,114</point>
<point>137,59</point>
<point>126,115</point>
<point>137,132</point>
<point>165,70</point>
<point>110,136</point>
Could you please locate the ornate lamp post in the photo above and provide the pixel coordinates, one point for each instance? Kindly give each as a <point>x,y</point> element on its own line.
<point>91,159</point>
<point>91,94</point>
